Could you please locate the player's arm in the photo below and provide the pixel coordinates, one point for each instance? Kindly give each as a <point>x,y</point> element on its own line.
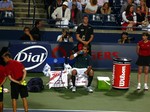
<point>75,55</point>
<point>89,68</point>
<point>90,40</point>
<point>24,74</point>
<point>3,82</point>
<point>13,80</point>
<point>79,39</point>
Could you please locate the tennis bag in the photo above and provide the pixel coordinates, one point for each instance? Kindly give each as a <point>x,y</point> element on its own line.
<point>35,85</point>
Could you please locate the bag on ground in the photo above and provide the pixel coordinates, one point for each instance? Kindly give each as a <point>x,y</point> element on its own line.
<point>35,85</point>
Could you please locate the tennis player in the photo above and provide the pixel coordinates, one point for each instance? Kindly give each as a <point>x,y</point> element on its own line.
<point>83,65</point>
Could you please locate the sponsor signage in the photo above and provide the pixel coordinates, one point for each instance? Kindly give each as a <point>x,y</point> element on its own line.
<point>121,76</point>
<point>32,54</point>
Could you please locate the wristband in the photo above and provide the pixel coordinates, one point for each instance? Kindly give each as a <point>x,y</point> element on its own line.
<point>75,55</point>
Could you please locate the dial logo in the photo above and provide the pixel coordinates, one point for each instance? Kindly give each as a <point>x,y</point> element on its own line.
<point>33,56</point>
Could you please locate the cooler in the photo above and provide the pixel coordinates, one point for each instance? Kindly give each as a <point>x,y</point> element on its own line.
<point>121,73</point>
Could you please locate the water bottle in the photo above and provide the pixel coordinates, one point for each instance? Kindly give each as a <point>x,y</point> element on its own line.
<point>108,18</point>
<point>81,52</point>
<point>93,17</point>
<point>97,17</point>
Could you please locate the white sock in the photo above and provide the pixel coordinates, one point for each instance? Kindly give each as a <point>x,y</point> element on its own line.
<point>145,84</point>
<point>139,84</point>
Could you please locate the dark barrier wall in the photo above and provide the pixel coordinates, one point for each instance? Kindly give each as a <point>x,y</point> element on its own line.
<point>35,55</point>
<point>51,36</point>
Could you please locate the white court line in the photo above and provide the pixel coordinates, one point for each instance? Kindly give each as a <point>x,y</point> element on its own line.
<point>56,110</point>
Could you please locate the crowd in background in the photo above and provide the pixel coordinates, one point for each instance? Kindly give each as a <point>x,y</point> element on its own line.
<point>128,13</point>
<point>7,16</point>
<point>131,13</point>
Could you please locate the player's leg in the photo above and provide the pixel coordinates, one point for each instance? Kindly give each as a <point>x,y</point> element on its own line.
<point>90,79</point>
<point>1,99</point>
<point>73,78</point>
<point>25,104</point>
<point>146,71</point>
<point>140,69</point>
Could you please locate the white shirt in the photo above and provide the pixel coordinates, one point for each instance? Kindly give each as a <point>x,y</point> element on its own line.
<point>58,13</point>
<point>125,18</point>
<point>60,36</point>
<point>91,8</point>
<point>84,2</point>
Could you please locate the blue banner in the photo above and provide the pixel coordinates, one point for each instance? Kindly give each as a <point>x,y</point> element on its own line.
<point>32,54</point>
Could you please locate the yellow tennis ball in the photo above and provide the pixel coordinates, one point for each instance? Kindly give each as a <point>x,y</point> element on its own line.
<point>0,89</point>
<point>23,83</point>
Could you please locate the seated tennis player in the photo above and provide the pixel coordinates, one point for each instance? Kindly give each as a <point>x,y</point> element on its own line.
<point>83,65</point>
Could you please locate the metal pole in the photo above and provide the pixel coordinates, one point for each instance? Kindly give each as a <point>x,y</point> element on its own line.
<point>29,8</point>
<point>34,5</point>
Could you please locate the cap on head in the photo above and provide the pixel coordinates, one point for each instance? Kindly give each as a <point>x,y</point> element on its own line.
<point>65,3</point>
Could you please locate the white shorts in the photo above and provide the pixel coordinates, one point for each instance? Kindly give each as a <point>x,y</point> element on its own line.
<point>80,71</point>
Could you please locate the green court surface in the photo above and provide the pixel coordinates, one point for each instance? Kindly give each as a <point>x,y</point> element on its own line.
<point>114,100</point>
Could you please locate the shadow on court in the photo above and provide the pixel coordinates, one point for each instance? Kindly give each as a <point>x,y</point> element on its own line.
<point>116,92</point>
<point>136,94</point>
<point>68,94</point>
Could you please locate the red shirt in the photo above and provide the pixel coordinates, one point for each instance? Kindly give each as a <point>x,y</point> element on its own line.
<point>14,69</point>
<point>2,74</point>
<point>144,48</point>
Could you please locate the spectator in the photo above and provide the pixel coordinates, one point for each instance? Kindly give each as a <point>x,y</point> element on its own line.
<point>101,2</point>
<point>148,5</point>
<point>124,38</point>
<point>144,8</point>
<point>129,18</point>
<point>27,35</point>
<point>124,6</point>
<point>85,34</point>
<point>16,73</point>
<point>141,17</point>
<point>84,3</point>
<point>143,61</point>
<point>83,65</point>
<point>76,15</point>
<point>62,15</point>
<point>79,6</point>
<point>137,2</point>
<point>106,9</point>
<point>91,7</point>
<point>6,12</point>
<point>35,32</point>
<point>6,5</point>
<point>66,36</point>
<point>55,5</point>
<point>48,4</point>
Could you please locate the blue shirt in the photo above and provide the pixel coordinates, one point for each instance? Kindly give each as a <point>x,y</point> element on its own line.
<point>6,4</point>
